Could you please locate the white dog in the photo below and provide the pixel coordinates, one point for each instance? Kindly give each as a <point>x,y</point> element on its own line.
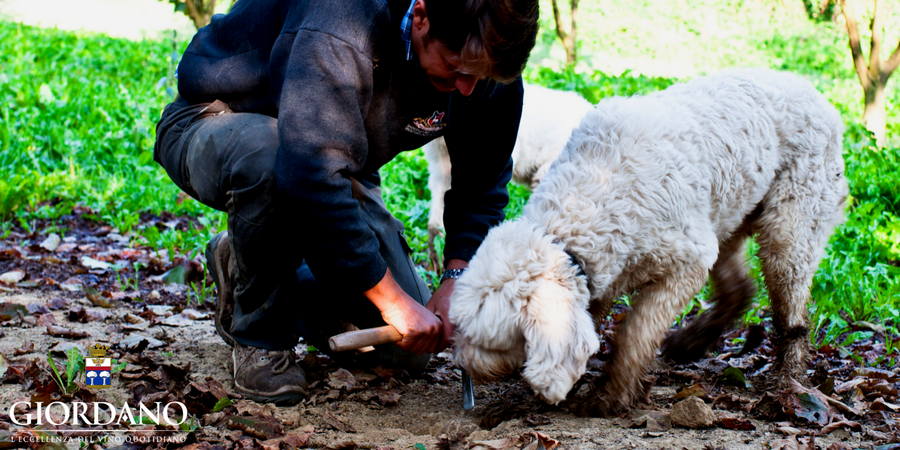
<point>654,194</point>
<point>548,117</point>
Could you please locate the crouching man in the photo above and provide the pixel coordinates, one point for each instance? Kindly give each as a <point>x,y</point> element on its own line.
<point>286,111</point>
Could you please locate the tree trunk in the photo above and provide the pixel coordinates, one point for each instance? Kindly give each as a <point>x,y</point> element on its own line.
<point>200,11</point>
<point>875,115</point>
<point>873,75</point>
<point>568,38</point>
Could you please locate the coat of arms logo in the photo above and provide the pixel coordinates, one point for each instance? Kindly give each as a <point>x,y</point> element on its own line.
<point>98,368</point>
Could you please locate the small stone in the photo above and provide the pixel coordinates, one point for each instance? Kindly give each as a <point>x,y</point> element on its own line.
<point>154,295</point>
<point>692,413</point>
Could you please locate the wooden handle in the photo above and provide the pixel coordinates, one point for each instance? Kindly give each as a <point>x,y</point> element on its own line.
<point>353,340</point>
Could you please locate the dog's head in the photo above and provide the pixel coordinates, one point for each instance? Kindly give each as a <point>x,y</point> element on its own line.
<point>523,301</point>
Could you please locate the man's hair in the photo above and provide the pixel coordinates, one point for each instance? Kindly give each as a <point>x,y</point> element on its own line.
<point>493,37</point>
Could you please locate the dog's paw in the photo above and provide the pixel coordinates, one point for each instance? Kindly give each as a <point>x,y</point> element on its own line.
<point>600,404</point>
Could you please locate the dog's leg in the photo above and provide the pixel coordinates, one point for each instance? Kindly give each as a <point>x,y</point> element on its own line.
<point>438,182</point>
<point>643,329</point>
<point>793,231</point>
<point>732,291</point>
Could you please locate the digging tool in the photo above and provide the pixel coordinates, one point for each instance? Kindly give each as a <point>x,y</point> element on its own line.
<point>354,340</point>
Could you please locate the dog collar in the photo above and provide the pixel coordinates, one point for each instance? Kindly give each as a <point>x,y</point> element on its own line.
<point>572,257</point>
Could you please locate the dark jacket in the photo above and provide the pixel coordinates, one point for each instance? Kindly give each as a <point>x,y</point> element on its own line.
<point>335,75</point>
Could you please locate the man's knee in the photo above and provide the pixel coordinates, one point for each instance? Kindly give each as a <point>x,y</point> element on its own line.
<point>232,152</point>
<point>255,164</point>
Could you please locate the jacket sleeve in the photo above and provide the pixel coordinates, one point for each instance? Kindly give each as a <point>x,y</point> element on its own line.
<point>325,96</point>
<point>480,141</point>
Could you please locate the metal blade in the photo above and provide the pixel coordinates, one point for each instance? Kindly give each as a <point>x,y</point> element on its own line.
<point>468,391</point>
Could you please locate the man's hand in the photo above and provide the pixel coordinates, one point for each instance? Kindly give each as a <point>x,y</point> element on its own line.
<point>440,303</point>
<point>421,330</point>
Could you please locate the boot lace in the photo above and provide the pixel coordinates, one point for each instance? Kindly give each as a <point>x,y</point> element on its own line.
<point>281,360</point>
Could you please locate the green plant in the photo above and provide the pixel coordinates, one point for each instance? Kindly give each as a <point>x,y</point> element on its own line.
<point>201,291</point>
<point>73,368</point>
<point>133,284</point>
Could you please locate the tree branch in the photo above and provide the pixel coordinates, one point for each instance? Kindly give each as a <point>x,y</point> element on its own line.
<point>859,61</point>
<point>574,4</point>
<point>877,36</point>
<point>891,64</point>
<point>194,14</point>
<point>559,25</point>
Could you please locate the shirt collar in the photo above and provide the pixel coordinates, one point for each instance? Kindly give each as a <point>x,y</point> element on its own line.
<point>406,30</point>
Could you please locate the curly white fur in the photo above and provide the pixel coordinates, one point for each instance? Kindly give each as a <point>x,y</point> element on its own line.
<point>649,193</point>
<point>548,117</point>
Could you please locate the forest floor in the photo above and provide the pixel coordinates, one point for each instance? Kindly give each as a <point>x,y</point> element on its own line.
<point>78,289</point>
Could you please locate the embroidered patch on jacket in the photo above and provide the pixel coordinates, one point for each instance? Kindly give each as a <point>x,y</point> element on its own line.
<point>432,126</point>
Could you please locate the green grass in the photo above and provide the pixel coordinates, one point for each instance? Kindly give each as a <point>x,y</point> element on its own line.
<point>78,125</point>
<point>78,114</point>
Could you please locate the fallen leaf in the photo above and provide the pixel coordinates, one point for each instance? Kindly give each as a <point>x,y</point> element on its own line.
<point>65,248</point>
<point>58,331</point>
<point>96,298</point>
<point>24,349</point>
<point>881,405</point>
<point>848,385</point>
<point>341,445</point>
<point>80,314</point>
<point>299,437</point>
<point>193,314</point>
<point>341,379</point>
<point>734,423</point>
<point>733,376</point>
<point>809,405</point>
<point>838,446</point>
<point>132,319</point>
<point>827,387</point>
<point>62,348</point>
<point>12,277</point>
<point>92,263</point>
<point>533,420</point>
<point>37,308</point>
<point>177,320</point>
<point>51,243</point>
<point>134,340</point>
<point>790,443</point>
<point>332,421</point>
<point>9,311</point>
<point>694,390</point>
<point>875,373</point>
<point>57,303</point>
<point>201,397</point>
<point>841,424</point>
<point>496,444</point>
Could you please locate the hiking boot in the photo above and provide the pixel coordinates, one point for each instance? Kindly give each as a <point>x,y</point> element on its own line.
<point>268,376</point>
<point>219,263</point>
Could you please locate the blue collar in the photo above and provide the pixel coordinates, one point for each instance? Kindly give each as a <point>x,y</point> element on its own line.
<point>406,30</point>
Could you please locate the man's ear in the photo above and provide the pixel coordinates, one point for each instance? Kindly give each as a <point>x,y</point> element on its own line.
<point>420,17</point>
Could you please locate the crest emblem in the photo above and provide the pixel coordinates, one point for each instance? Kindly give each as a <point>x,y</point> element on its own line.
<point>98,368</point>
<point>432,126</point>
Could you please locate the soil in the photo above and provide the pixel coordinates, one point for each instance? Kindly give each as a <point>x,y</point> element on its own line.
<point>376,408</point>
<point>428,412</point>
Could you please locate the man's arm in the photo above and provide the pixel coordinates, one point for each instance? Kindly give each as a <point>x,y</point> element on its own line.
<point>440,303</point>
<point>480,145</point>
<point>325,95</point>
<point>480,140</point>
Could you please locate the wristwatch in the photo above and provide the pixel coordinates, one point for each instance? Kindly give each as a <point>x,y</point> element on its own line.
<point>452,273</point>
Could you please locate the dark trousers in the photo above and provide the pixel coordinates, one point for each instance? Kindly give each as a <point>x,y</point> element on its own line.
<point>225,160</point>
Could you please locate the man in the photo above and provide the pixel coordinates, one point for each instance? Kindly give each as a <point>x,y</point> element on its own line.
<point>286,111</point>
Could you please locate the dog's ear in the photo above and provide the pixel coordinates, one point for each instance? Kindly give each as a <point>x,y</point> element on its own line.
<point>559,335</point>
